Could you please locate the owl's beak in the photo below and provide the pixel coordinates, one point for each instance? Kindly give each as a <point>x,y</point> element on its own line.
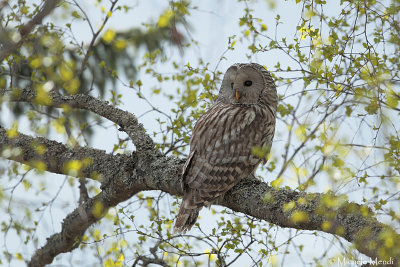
<point>237,95</point>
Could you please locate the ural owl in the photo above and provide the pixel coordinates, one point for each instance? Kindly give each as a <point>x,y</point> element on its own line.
<point>242,117</point>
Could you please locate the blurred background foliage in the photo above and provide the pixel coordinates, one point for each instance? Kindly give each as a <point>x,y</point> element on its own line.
<point>52,53</point>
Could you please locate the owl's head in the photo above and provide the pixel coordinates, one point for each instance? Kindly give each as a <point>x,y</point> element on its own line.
<point>248,84</point>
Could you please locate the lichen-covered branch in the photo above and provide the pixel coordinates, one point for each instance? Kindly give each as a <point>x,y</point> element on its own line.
<point>300,210</point>
<point>129,177</point>
<point>77,222</point>
<point>318,212</point>
<point>351,221</point>
<point>127,121</point>
<point>52,156</point>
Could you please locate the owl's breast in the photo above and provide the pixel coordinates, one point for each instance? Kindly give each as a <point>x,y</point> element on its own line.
<point>227,133</point>
<point>221,147</point>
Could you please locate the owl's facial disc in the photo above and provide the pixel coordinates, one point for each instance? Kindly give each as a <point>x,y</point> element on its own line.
<point>242,84</point>
<point>239,93</point>
<point>246,86</point>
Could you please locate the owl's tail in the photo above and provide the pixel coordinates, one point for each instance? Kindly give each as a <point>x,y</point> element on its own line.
<point>186,218</point>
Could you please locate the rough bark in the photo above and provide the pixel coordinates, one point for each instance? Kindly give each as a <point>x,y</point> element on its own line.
<point>148,169</point>
<point>55,155</point>
<point>124,119</point>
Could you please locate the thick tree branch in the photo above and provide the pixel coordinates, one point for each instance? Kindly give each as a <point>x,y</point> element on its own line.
<point>56,156</point>
<point>26,29</point>
<point>318,212</point>
<point>77,222</point>
<point>127,121</point>
<point>349,220</point>
<point>130,178</point>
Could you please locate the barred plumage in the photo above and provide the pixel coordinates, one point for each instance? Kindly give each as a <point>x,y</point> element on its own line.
<point>220,155</point>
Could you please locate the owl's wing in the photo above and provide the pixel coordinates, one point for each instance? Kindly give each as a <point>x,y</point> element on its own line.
<point>221,150</point>
<point>186,167</point>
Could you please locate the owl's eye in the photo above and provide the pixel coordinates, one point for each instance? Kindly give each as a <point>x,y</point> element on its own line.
<point>248,83</point>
